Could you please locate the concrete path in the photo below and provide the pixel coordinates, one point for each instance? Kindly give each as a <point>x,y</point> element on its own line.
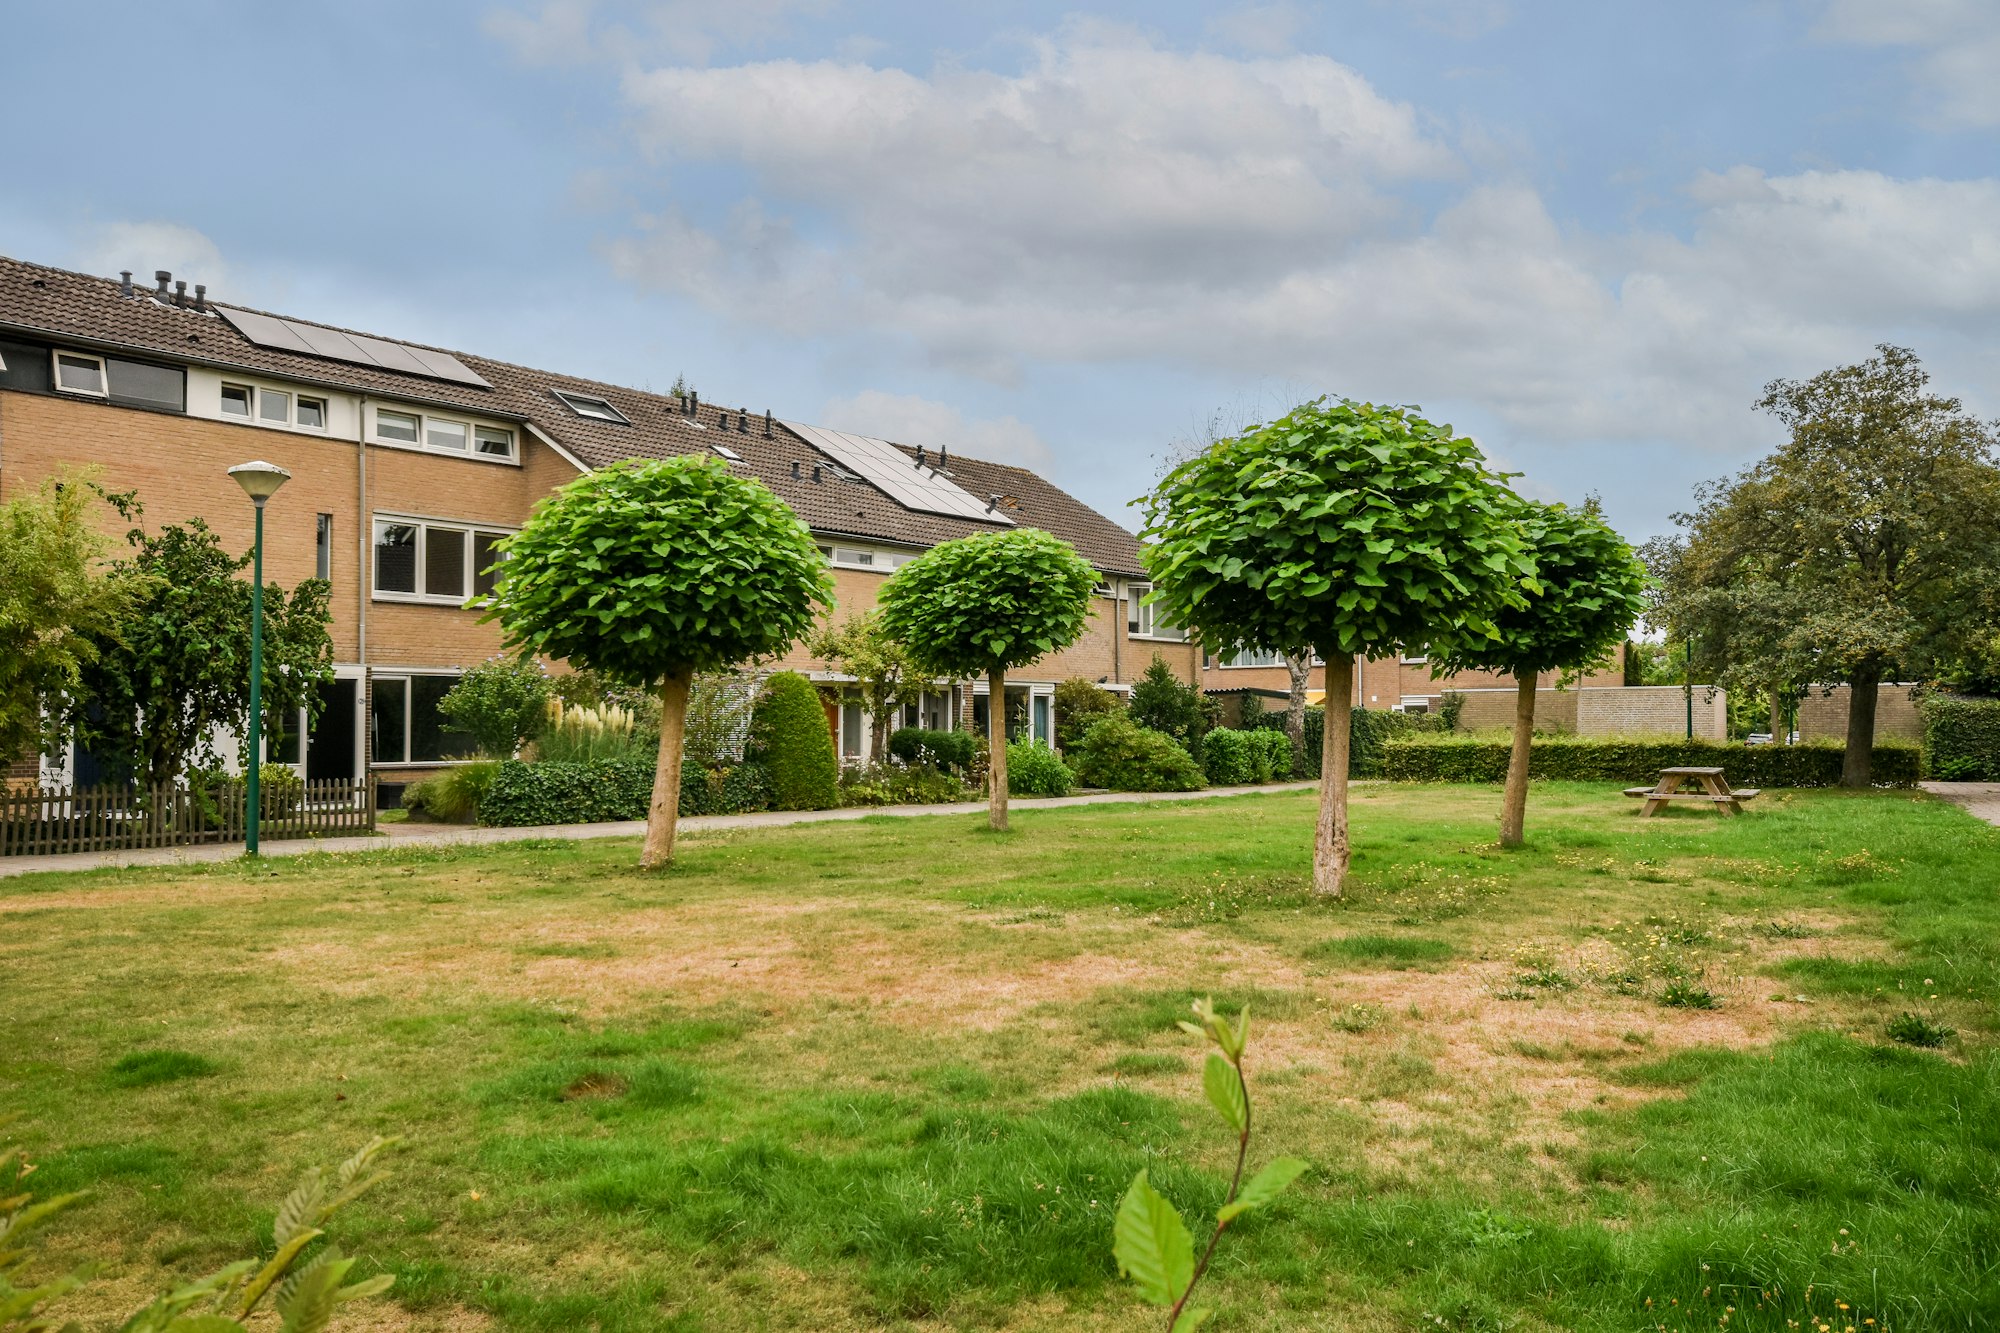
<point>453,835</point>
<point>1981,799</point>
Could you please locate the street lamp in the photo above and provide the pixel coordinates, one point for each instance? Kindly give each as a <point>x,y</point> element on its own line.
<point>260,481</point>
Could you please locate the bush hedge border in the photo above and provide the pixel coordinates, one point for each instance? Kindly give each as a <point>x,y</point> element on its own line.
<point>1598,759</point>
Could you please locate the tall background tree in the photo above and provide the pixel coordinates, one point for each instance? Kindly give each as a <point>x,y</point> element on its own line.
<point>883,673</point>
<point>980,605</point>
<point>1588,591</point>
<point>649,571</point>
<point>1864,548</point>
<point>58,604</point>
<point>1342,528</point>
<point>174,675</point>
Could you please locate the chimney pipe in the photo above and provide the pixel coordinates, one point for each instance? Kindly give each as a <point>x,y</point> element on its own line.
<point>694,403</point>
<point>815,474</point>
<point>125,282</point>
<point>742,423</point>
<point>767,423</point>
<point>722,419</point>
<point>162,277</point>
<point>920,455</point>
<point>992,502</point>
<point>180,295</point>
<point>201,298</point>
<point>795,469</point>
<point>944,456</point>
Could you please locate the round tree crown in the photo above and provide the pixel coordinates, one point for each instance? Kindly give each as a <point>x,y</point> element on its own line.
<point>1343,528</point>
<point>648,568</point>
<point>983,603</point>
<point>1588,591</point>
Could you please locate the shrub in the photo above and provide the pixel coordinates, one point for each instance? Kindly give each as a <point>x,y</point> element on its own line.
<point>1628,761</point>
<point>280,791</point>
<point>1916,1030</point>
<point>1373,728</point>
<point>950,750</point>
<point>452,796</point>
<point>1033,769</point>
<point>1271,754</point>
<point>1079,703</point>
<point>1163,702</point>
<point>582,734</point>
<point>1962,739</point>
<point>720,706</point>
<point>902,784</point>
<point>732,789</point>
<point>790,737</point>
<point>549,792</point>
<point>1120,754</point>
<point>500,703</point>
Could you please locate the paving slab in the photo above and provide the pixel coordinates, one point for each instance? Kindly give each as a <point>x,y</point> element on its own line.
<point>453,835</point>
<point>1981,799</point>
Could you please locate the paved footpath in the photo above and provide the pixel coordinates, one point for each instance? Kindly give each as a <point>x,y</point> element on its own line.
<point>1981,799</point>
<point>452,835</point>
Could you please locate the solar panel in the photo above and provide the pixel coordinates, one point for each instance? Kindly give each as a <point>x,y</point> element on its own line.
<point>294,335</point>
<point>897,475</point>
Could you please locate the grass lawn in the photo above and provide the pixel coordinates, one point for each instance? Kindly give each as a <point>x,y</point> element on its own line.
<point>896,1073</point>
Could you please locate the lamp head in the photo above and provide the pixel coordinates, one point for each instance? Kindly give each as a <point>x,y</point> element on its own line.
<point>260,481</point>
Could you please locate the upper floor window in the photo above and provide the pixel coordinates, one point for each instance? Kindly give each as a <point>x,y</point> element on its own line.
<point>1149,621</point>
<point>443,434</point>
<point>273,407</point>
<point>79,372</point>
<point>434,562</point>
<point>1253,657</point>
<point>589,405</point>
<point>323,547</point>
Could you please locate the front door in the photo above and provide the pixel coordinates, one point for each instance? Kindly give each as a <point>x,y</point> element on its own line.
<point>330,753</point>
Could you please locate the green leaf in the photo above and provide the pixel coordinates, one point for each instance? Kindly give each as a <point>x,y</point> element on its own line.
<point>1152,1244</point>
<point>1224,1087</point>
<point>1191,1319</point>
<point>1276,1177</point>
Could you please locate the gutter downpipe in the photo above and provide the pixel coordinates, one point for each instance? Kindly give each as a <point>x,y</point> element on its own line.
<point>364,530</point>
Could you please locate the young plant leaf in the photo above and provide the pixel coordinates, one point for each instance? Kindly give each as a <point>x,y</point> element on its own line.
<point>1262,1188</point>
<point>1225,1091</point>
<point>1152,1244</point>
<point>1191,1319</point>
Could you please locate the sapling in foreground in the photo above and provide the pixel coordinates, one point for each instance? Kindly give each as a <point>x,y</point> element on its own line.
<point>1152,1245</point>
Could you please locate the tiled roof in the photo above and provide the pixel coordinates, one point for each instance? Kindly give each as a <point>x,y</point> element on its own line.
<point>86,310</point>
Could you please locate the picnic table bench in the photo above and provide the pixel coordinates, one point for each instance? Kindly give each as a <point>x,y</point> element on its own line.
<point>1708,785</point>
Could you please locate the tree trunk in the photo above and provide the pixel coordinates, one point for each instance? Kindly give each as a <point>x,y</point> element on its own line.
<point>883,712</point>
<point>666,808</point>
<point>1514,805</point>
<point>1330,837</point>
<point>1857,767</point>
<point>996,746</point>
<point>1300,667</point>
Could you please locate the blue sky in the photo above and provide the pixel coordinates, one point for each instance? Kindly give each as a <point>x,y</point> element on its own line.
<point>1586,233</point>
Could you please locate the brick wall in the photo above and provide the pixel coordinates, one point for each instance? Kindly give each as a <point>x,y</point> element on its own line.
<point>1591,710</point>
<point>1823,714</point>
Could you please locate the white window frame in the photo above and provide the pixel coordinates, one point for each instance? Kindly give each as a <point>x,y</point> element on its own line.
<point>402,676</point>
<point>249,392</point>
<point>1143,619</point>
<point>264,400</point>
<point>472,427</point>
<point>467,530</point>
<point>1421,659</point>
<point>299,400</point>
<point>103,389</point>
<point>1227,661</point>
<point>570,398</point>
<point>873,559</point>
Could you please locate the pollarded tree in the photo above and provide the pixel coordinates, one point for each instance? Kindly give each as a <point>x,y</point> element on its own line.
<point>649,571</point>
<point>979,605</point>
<point>1590,590</point>
<point>1342,528</point>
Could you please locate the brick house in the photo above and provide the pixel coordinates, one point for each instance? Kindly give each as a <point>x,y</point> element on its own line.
<point>409,462</point>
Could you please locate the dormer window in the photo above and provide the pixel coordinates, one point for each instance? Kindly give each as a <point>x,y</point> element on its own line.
<point>587,405</point>
<point>77,372</point>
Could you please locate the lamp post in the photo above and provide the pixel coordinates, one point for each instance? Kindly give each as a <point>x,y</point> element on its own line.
<point>260,481</point>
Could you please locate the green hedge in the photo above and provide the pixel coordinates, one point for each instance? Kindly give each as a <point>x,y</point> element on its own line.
<point>1033,769</point>
<point>1120,754</point>
<point>1372,729</point>
<point>790,737</point>
<point>951,750</point>
<point>523,795</point>
<point>1630,762</point>
<point>1962,739</point>
<point>1242,758</point>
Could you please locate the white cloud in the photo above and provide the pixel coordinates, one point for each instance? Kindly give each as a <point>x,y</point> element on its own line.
<point>1117,201</point>
<point>1955,46</point>
<point>907,419</point>
<point>145,247</point>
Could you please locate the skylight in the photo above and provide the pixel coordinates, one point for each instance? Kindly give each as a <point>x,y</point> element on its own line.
<point>587,405</point>
<point>727,452</point>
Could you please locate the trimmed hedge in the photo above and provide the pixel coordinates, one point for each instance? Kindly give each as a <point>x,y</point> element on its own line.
<point>1372,729</point>
<point>950,750</point>
<point>1120,754</point>
<point>789,735</point>
<point>1962,739</point>
<point>1629,762</point>
<point>524,794</point>
<point>1242,758</point>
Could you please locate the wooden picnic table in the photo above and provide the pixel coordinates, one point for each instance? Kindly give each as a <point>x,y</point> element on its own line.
<point>1708,785</point>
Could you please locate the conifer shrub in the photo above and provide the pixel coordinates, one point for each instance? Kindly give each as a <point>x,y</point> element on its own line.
<point>1120,754</point>
<point>791,740</point>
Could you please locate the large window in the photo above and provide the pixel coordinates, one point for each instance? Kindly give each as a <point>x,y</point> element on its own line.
<point>442,434</point>
<point>433,562</point>
<point>1253,657</point>
<point>405,726</point>
<point>1148,621</point>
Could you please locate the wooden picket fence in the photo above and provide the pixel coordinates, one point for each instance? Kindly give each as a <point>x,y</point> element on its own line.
<point>47,821</point>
